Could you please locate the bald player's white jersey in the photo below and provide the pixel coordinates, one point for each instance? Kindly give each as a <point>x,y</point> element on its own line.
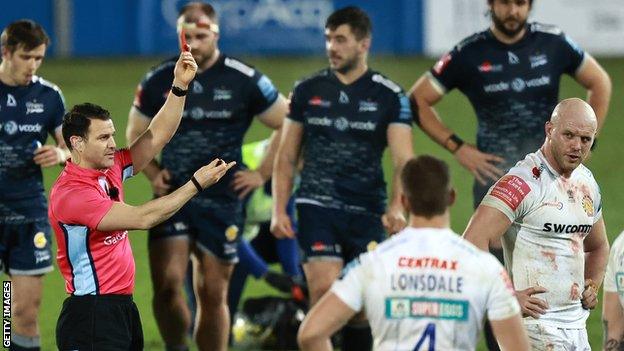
<point>551,216</point>
<point>426,289</point>
<point>614,276</point>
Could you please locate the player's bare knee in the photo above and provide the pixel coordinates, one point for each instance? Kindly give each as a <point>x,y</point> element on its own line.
<point>305,337</point>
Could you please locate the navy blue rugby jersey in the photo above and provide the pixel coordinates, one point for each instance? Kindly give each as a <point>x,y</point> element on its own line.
<point>344,138</point>
<point>27,115</point>
<point>512,88</point>
<point>220,106</point>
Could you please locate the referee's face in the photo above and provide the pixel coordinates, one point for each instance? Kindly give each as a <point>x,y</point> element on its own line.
<point>99,146</point>
<point>22,64</point>
<point>510,16</point>
<point>344,50</point>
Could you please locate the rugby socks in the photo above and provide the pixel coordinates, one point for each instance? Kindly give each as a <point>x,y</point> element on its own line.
<point>288,253</point>
<point>177,348</point>
<point>357,337</point>
<point>25,343</point>
<point>249,259</point>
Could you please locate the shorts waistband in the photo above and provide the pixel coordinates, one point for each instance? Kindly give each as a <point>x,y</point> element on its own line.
<point>104,297</point>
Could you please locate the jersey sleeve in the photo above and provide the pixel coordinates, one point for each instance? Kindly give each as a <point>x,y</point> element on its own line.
<point>123,160</point>
<point>349,287</point>
<point>571,55</point>
<point>83,205</point>
<point>609,277</point>
<point>295,110</point>
<point>401,112</point>
<point>501,302</point>
<point>597,204</point>
<point>513,194</point>
<point>263,93</point>
<point>57,113</point>
<point>147,97</point>
<point>446,72</point>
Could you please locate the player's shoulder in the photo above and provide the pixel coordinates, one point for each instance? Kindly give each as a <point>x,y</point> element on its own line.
<point>545,29</point>
<point>385,82</point>
<point>318,76</point>
<point>472,41</point>
<point>46,85</point>
<point>586,174</point>
<point>162,70</point>
<point>530,168</point>
<point>238,66</point>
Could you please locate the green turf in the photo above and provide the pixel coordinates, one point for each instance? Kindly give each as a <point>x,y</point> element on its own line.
<point>111,83</point>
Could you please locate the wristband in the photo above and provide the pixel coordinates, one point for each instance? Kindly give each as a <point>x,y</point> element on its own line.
<point>197,185</point>
<point>456,140</point>
<point>177,91</point>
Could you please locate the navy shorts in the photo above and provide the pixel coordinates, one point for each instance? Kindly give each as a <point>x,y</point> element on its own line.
<point>214,229</point>
<point>25,248</point>
<point>329,234</point>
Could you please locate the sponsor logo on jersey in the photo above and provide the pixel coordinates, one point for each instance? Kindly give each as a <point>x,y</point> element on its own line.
<point>318,101</point>
<point>114,239</point>
<point>11,128</point>
<point>197,87</point>
<point>566,228</point>
<point>221,94</point>
<point>427,262</point>
<point>367,106</point>
<point>511,190</point>
<point>34,107</point>
<point>513,59</point>
<point>439,67</point>
<point>11,102</point>
<point>180,226</point>
<point>42,256</point>
<point>419,307</point>
<point>556,204</point>
<point>588,205</point>
<point>199,113</point>
<point>619,282</point>
<point>371,246</point>
<point>343,98</point>
<point>341,123</point>
<point>40,240</point>
<point>537,172</point>
<point>517,84</point>
<point>231,232</point>
<point>487,67</point>
<point>538,60</point>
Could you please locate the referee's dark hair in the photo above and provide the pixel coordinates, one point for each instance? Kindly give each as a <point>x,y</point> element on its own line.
<point>76,122</point>
<point>427,187</point>
<point>355,17</point>
<point>24,32</point>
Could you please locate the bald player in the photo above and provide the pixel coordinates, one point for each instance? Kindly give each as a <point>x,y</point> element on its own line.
<point>547,210</point>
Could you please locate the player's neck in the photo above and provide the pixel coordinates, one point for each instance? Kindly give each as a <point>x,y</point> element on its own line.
<point>352,75</point>
<point>505,39</point>
<point>209,63</point>
<point>550,158</point>
<point>441,221</point>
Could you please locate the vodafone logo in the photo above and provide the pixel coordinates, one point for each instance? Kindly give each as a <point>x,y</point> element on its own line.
<point>11,128</point>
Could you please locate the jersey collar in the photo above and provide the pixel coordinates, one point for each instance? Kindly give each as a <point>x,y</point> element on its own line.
<point>362,78</point>
<point>76,171</point>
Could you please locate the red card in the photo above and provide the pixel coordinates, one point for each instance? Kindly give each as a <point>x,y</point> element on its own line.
<point>183,45</point>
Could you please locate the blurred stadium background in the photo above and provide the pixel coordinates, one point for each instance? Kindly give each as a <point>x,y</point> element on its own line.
<point>102,48</point>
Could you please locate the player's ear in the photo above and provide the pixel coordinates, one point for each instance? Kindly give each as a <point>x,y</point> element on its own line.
<point>452,196</point>
<point>548,127</point>
<point>405,203</point>
<point>77,143</point>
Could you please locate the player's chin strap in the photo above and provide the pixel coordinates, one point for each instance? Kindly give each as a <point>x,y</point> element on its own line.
<point>213,27</point>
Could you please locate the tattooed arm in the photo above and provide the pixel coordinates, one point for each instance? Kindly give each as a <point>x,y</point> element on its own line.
<point>613,322</point>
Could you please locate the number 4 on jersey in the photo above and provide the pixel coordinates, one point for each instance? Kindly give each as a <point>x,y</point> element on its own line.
<point>428,334</point>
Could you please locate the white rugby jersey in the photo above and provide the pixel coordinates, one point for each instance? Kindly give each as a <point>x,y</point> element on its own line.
<point>426,289</point>
<point>614,276</point>
<point>551,216</point>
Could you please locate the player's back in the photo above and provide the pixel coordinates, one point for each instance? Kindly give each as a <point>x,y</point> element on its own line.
<point>427,288</point>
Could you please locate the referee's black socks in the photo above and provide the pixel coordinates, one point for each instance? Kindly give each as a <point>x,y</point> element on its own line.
<point>357,337</point>
<point>25,343</point>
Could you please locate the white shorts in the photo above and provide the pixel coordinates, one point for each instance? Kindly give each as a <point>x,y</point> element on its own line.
<point>549,338</point>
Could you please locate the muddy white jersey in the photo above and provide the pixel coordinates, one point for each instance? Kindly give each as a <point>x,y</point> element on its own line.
<point>426,289</point>
<point>614,276</point>
<point>550,218</point>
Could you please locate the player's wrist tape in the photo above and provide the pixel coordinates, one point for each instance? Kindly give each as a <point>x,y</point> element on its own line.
<point>197,185</point>
<point>456,140</point>
<point>177,91</point>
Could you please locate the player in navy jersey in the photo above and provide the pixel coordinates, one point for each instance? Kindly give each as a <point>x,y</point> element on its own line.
<point>222,102</point>
<point>341,120</point>
<point>30,109</point>
<point>510,73</point>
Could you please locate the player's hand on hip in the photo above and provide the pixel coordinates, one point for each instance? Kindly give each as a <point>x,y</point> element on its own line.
<point>530,305</point>
<point>184,70</point>
<point>212,172</point>
<point>49,155</point>
<point>589,299</point>
<point>393,221</point>
<point>281,227</point>
<point>246,181</point>
<point>480,164</point>
<point>160,183</point>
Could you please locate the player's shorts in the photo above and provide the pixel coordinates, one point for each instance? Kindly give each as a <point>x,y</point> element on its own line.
<point>25,248</point>
<point>329,234</point>
<point>543,338</point>
<point>214,229</point>
<point>99,322</point>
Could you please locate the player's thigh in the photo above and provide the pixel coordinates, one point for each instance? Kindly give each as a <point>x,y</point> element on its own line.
<point>27,248</point>
<point>320,275</point>
<point>217,230</point>
<point>169,249</point>
<point>317,233</point>
<point>364,231</point>
<point>212,276</point>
